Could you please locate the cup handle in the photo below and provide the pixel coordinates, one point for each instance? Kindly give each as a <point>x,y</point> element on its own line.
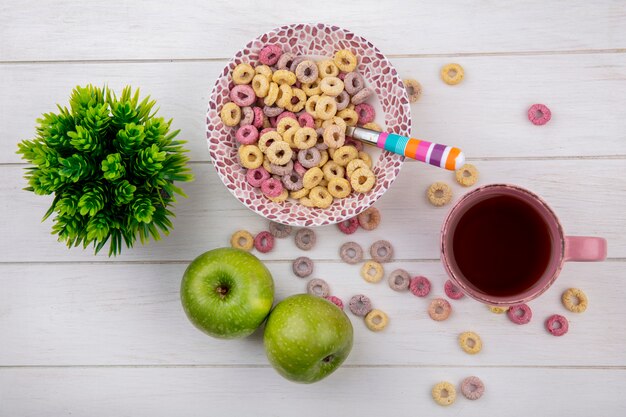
<point>585,248</point>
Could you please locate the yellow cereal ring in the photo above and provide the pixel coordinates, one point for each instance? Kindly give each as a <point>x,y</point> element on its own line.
<point>327,68</point>
<point>302,192</point>
<point>325,108</point>
<point>272,95</point>
<point>299,105</point>
<point>349,116</point>
<point>335,121</point>
<point>467,175</point>
<point>470,342</point>
<point>305,138</point>
<point>339,187</point>
<point>321,197</point>
<point>345,60</point>
<point>318,122</point>
<point>243,74</point>
<point>372,271</point>
<point>376,320</point>
<point>266,122</point>
<point>365,157</point>
<point>279,153</point>
<point>284,77</point>
<point>332,169</point>
<point>264,70</point>
<point>285,124</point>
<point>331,86</point>
<point>312,177</point>
<point>310,105</point>
<point>312,89</point>
<point>280,197</point>
<point>444,393</point>
<point>344,154</point>
<point>306,202</point>
<point>575,300</point>
<point>231,114</point>
<point>362,180</point>
<point>439,194</point>
<point>331,152</point>
<point>250,156</point>
<point>373,126</point>
<point>267,138</point>
<point>497,309</point>
<point>452,74</point>
<point>323,183</point>
<point>351,106</point>
<point>334,136</point>
<point>242,239</point>
<point>290,134</point>
<point>354,165</point>
<point>260,85</point>
<point>285,94</point>
<point>267,165</point>
<point>323,158</point>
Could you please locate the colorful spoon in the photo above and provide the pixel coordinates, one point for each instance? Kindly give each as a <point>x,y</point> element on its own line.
<point>441,156</point>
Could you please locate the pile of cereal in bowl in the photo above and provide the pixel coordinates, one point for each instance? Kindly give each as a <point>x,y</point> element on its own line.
<point>290,114</point>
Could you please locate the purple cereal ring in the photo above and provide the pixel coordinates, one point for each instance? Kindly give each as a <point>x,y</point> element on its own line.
<point>520,314</point>
<point>279,230</point>
<point>349,226</point>
<point>306,120</point>
<point>306,71</point>
<point>557,325</point>
<point>258,117</point>
<point>353,83</point>
<point>285,61</point>
<point>335,300</point>
<point>366,113</point>
<point>309,158</point>
<point>302,267</point>
<point>360,305</point>
<point>342,75</point>
<point>343,99</point>
<point>351,253</point>
<point>272,187</point>
<point>299,168</point>
<point>292,181</point>
<point>361,96</point>
<point>256,176</point>
<point>281,170</point>
<point>305,238</point>
<point>247,116</point>
<point>272,111</point>
<point>472,388</point>
<point>399,280</point>
<point>295,62</point>
<point>352,142</point>
<point>242,95</point>
<point>284,114</point>
<point>247,135</point>
<point>270,54</point>
<point>452,291</point>
<point>539,114</point>
<point>381,251</point>
<point>264,242</point>
<point>420,286</point>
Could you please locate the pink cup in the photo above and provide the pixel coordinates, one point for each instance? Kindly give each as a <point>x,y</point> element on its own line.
<point>564,248</point>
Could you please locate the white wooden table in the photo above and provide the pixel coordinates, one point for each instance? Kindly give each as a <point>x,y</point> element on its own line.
<point>88,335</point>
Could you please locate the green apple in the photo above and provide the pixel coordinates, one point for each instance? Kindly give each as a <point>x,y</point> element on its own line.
<point>227,293</point>
<point>306,338</point>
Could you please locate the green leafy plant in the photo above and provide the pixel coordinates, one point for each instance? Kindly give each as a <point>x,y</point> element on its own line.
<point>111,165</point>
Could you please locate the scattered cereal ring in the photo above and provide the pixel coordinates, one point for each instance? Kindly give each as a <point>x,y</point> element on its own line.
<point>362,180</point>
<point>413,89</point>
<point>349,116</point>
<point>272,187</point>
<point>420,286</point>
<point>247,116</point>
<point>351,253</point>
<point>399,280</point>
<point>309,158</point>
<point>575,300</point>
<point>443,393</point>
<point>321,197</point>
<point>263,70</point>
<point>539,114</point>
<point>279,230</point>
<point>361,96</point>
<point>312,177</point>
<point>282,170</point>
<point>470,342</point>
<point>285,61</point>
<point>242,95</point>
<point>335,300</point>
<point>472,388</point>
<point>305,239</point>
<point>307,72</point>
<point>452,291</point>
<point>331,86</point>
<point>327,68</point>
<point>360,305</point>
<point>247,135</point>
<point>557,325</point>
<point>381,251</point>
<point>439,194</point>
<point>270,54</point>
<point>439,309</point>
<point>318,287</point>
<point>312,88</point>
<point>345,60</point>
<point>256,176</point>
<point>365,112</point>
<point>372,271</point>
<point>243,74</point>
<point>292,181</point>
<point>467,175</point>
<point>373,126</point>
<point>250,156</point>
<point>452,74</point>
<point>369,219</point>
<point>353,83</point>
<point>302,266</point>
<point>343,99</point>
<point>325,108</point>
<point>520,314</point>
<point>264,242</point>
<point>498,309</point>
<point>242,239</point>
<point>305,138</point>
<point>279,153</point>
<point>339,187</point>
<point>376,320</point>
<point>230,114</point>
<point>348,226</point>
<point>334,136</point>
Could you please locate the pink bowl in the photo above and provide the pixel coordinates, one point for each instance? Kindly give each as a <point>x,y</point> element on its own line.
<point>311,40</point>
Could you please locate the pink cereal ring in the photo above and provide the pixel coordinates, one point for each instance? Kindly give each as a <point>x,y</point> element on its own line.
<point>286,114</point>
<point>264,242</point>
<point>272,187</point>
<point>267,129</point>
<point>349,226</point>
<point>520,314</point>
<point>419,286</point>
<point>270,54</point>
<point>299,168</point>
<point>256,176</point>
<point>342,76</point>
<point>539,114</point>
<point>306,120</point>
<point>247,135</point>
<point>452,291</point>
<point>273,121</point>
<point>366,113</point>
<point>335,300</point>
<point>242,95</point>
<point>258,117</point>
<point>557,325</point>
